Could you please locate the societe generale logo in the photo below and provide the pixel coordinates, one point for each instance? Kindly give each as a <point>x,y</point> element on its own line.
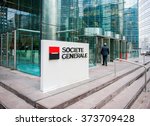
<point>54,53</point>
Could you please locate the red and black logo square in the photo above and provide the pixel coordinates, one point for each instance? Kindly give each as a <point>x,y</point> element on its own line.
<point>54,52</point>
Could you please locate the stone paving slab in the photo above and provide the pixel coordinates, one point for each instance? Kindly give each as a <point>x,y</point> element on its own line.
<point>143,101</point>
<point>11,101</point>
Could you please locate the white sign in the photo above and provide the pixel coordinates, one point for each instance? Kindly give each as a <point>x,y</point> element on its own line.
<point>63,64</point>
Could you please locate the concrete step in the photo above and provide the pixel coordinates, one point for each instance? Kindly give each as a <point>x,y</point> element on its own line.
<point>126,98</point>
<point>1,106</point>
<point>71,96</point>
<point>143,101</point>
<point>100,98</point>
<point>9,100</point>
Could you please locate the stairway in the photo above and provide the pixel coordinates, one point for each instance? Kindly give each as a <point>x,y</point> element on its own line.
<point>94,94</point>
<point>125,90</point>
<point>143,101</point>
<point>119,95</point>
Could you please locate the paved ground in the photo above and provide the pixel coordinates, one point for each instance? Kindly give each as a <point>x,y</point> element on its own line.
<point>28,86</point>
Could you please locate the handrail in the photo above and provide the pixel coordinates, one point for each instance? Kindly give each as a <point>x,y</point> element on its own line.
<point>131,63</point>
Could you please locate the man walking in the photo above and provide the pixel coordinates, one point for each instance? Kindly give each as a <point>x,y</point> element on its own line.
<point>105,53</point>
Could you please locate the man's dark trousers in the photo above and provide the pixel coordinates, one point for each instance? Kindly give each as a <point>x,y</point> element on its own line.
<point>105,53</point>
<point>105,60</point>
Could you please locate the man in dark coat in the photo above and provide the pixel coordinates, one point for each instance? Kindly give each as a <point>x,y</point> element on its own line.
<point>105,53</point>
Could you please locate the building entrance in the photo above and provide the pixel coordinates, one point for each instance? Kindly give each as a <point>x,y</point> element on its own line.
<point>20,50</point>
<point>28,52</point>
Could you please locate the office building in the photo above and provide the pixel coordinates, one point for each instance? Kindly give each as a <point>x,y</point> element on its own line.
<point>24,23</point>
<point>144,25</point>
<point>131,30</point>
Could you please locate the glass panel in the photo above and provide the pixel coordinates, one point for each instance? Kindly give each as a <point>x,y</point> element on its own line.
<point>11,50</point>
<point>123,50</point>
<point>28,52</point>
<point>116,51</point>
<point>4,50</point>
<point>98,50</point>
<point>112,46</point>
<point>92,51</point>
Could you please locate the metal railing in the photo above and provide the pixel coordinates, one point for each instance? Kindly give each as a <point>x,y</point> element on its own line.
<point>123,60</point>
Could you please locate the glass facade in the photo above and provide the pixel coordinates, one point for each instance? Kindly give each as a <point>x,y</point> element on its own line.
<point>20,22</point>
<point>144,25</point>
<point>24,23</point>
<point>131,31</point>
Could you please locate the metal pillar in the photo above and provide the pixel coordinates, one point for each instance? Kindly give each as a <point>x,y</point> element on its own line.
<point>15,49</point>
<point>1,49</point>
<point>50,17</point>
<point>126,51</point>
<point>120,44</point>
<point>97,50</point>
<point>7,48</point>
<point>109,50</point>
<point>102,43</point>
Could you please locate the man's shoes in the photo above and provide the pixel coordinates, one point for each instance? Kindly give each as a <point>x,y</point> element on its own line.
<point>103,64</point>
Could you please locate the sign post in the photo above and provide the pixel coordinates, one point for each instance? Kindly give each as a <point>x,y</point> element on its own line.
<point>63,64</point>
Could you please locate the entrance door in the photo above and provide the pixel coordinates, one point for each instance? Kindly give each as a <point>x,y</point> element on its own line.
<point>25,51</point>
<point>28,52</point>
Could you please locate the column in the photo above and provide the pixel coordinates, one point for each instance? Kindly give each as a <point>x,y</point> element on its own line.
<point>1,49</point>
<point>118,49</point>
<point>49,19</point>
<point>97,50</point>
<point>15,50</point>
<point>109,49</point>
<point>102,43</point>
<point>7,49</point>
